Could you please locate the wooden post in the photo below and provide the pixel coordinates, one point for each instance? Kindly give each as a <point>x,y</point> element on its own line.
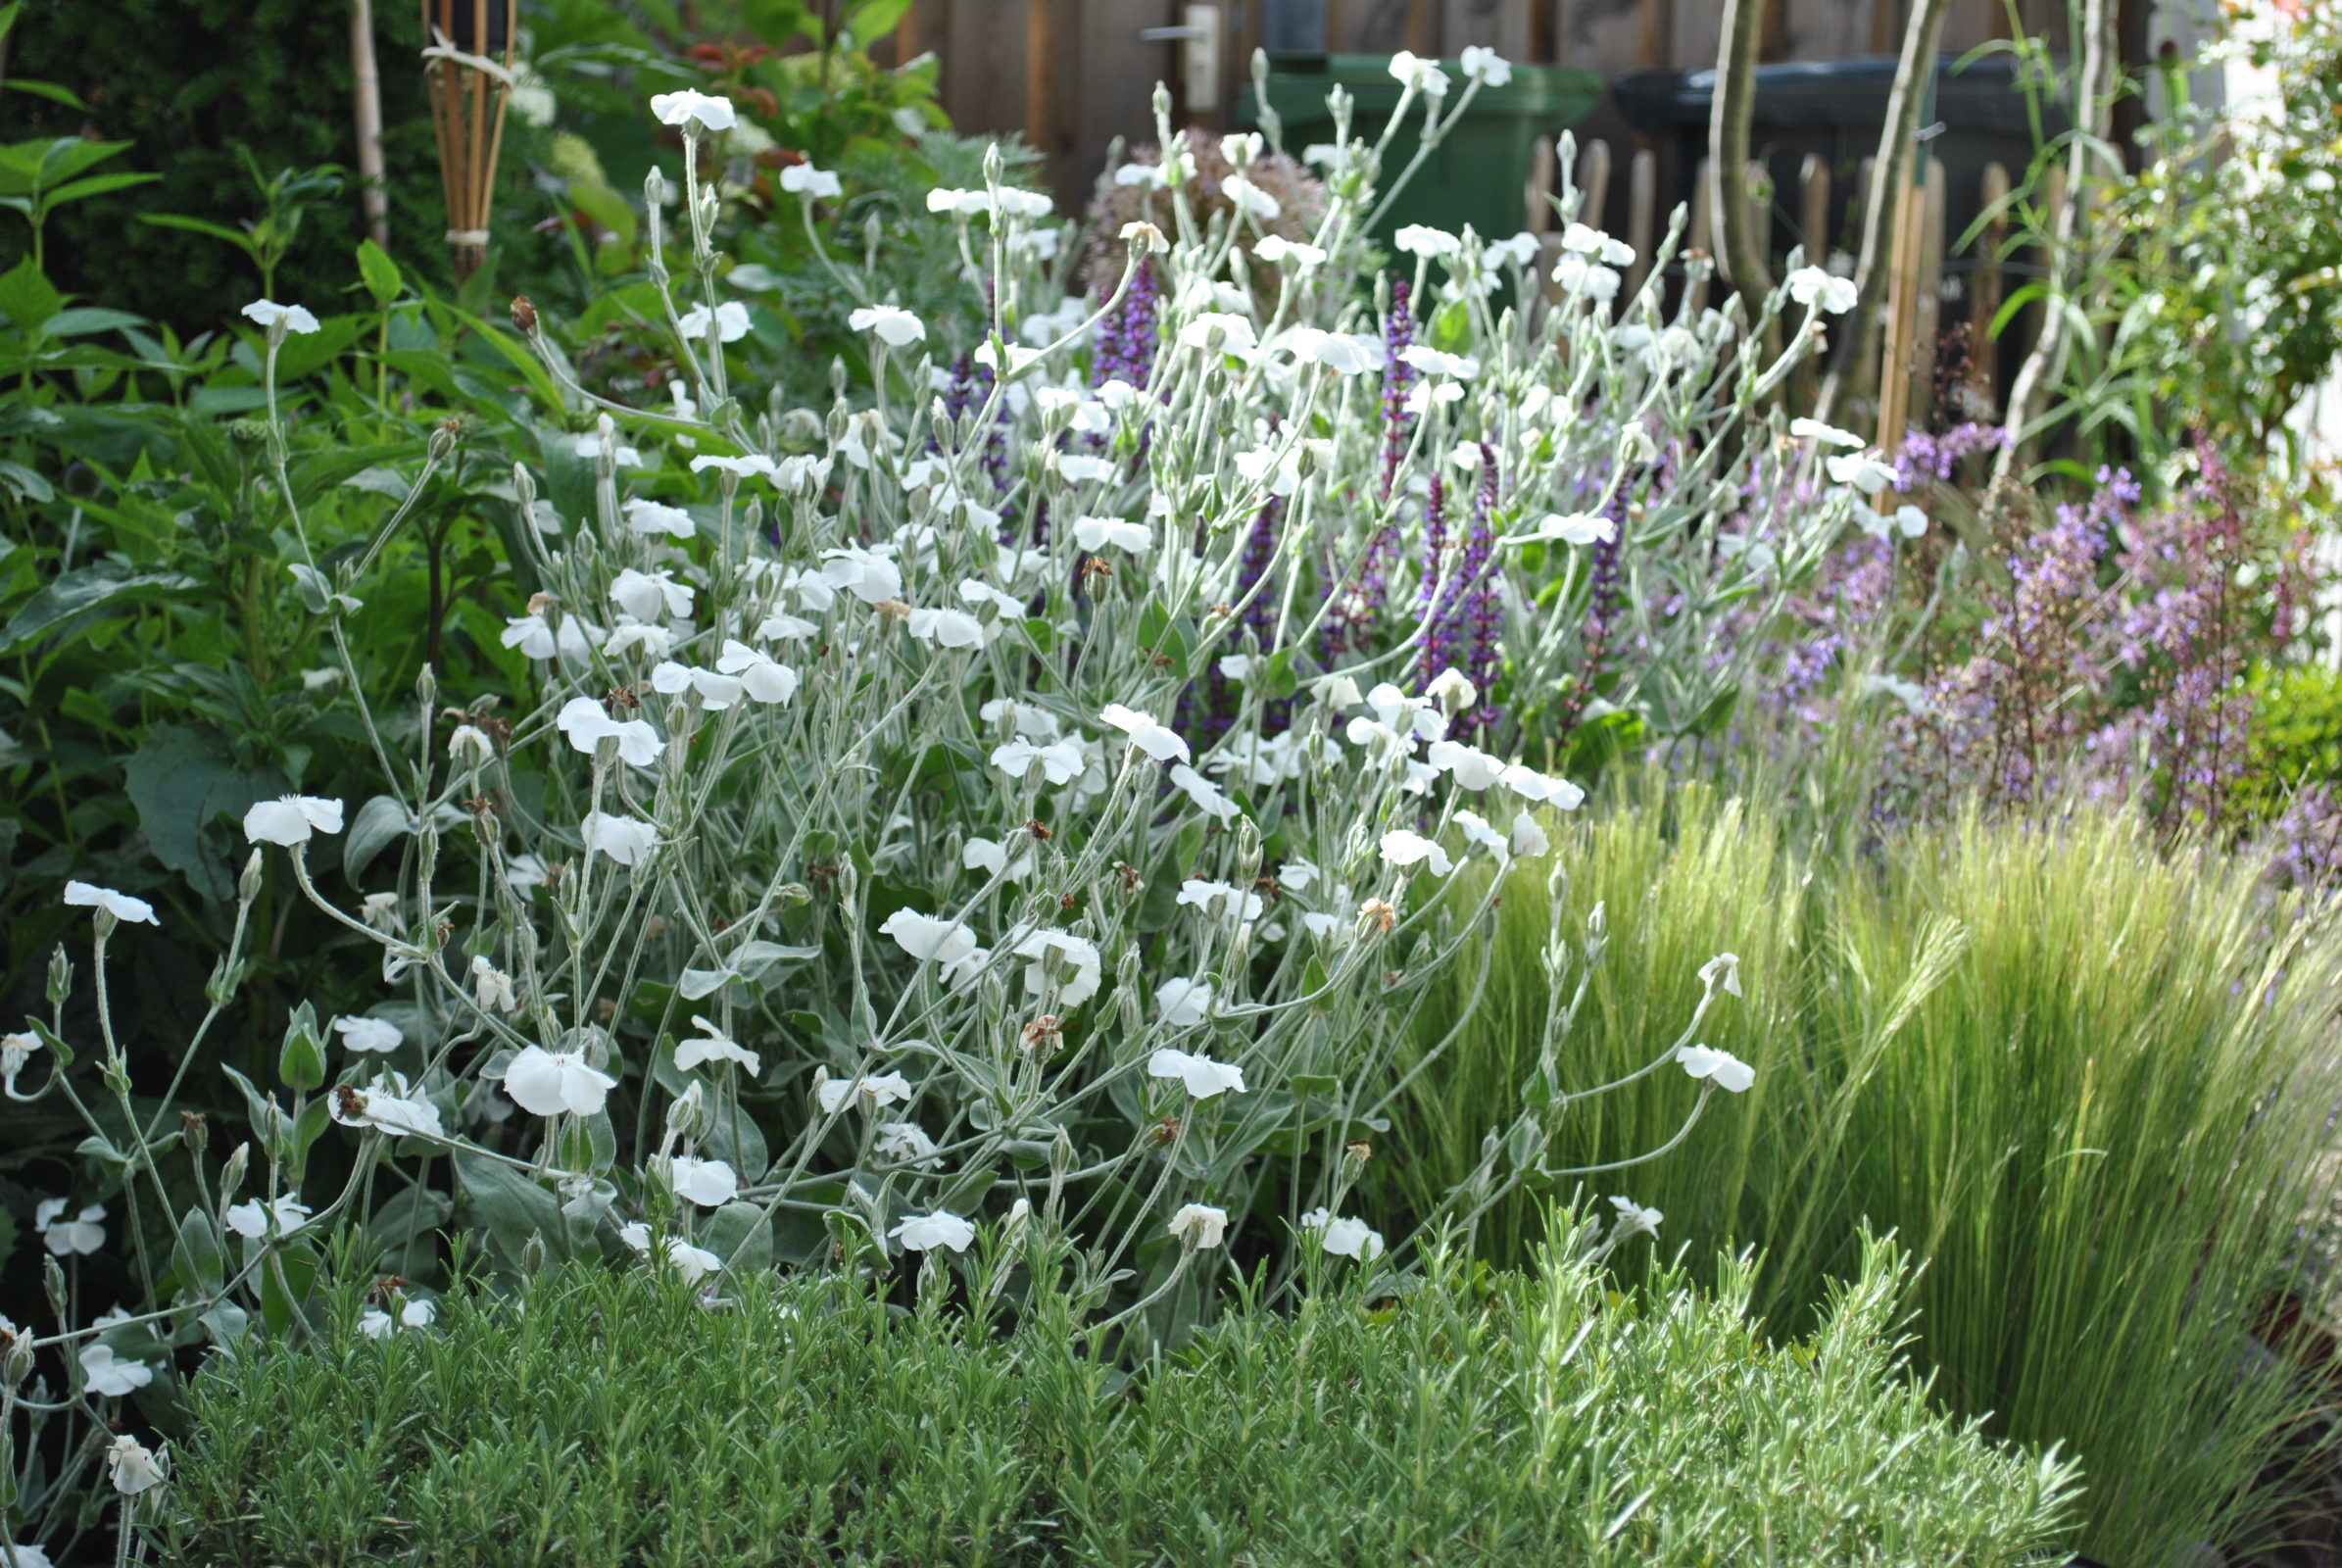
<point>1642,215</point>
<point>469,63</point>
<point>1703,230</point>
<point>1926,296</point>
<point>1423,27</point>
<point>1984,290</point>
<point>1537,212</point>
<point>1755,181</point>
<point>1041,77</point>
<point>373,193</point>
<point>1902,288</point>
<point>1593,179</point>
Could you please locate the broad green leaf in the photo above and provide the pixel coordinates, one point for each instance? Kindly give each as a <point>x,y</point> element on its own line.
<point>738,1234</point>
<point>509,1206</point>
<point>182,781</point>
<point>383,279</point>
<point>378,822</point>
<point>95,186</point>
<point>196,1258</point>
<point>26,298</point>
<point>86,591</point>
<point>89,319</point>
<point>300,1061</point>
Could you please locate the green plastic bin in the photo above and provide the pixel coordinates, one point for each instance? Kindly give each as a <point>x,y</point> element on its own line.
<point>1476,175</point>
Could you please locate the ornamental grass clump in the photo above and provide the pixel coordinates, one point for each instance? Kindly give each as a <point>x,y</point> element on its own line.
<point>2092,1084</point>
<point>597,1417</point>
<point>941,812</point>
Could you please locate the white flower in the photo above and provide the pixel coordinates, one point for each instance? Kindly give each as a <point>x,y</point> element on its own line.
<point>1156,740</point>
<point>1634,1220</point>
<point>624,839</point>
<point>1485,66</point>
<point>1337,691</point>
<point>764,678</point>
<point>1249,197</point>
<point>891,1090</point>
<point>1196,893</point>
<point>923,1233</point>
<point>536,638</point>
<point>1053,953</point>
<point>1403,847</point>
<point>1827,434</point>
<point>694,1263</point>
<point>1342,355</point>
<point>713,1045</point>
<point>1060,762</point>
<point>588,724</point>
<point>1529,839</point>
<point>655,516</point>
<point>1203,1076</point>
<point>1476,828</point>
<point>1432,244</point>
<point>687,107</point>
<point>1907,520</point>
<point>965,203</point>
<point>926,938</point>
<point>1296,875</point>
<point>387,1104</point>
<point>130,1464</point>
<point>810,181</point>
<point>470,746</point>
<point>895,327</point>
<point>28,1555</point>
<point>109,1378</point>
<point>1209,798</point>
<point>947,628</point>
<point>254,1219</point>
<point>1199,1225</point>
<point>1862,471</point>
<point>1720,1068</point>
<point>644,595</point>
<point>1219,332</point>
<point>1455,692</point>
<point>1184,1002</point>
<point>1080,469</point>
<point>1098,534</point>
<point>364,1035</point>
<point>906,1143</point>
<point>1472,769</point>
<point>269,313</point>
<point>1345,1237</point>
<point>83,1234</point>
<point>867,575</point>
<point>491,986</point>
<point>15,1049</point>
<point>1151,175</point>
<point>120,906</point>
<point>546,1083</point>
<point>1811,286</point>
<point>730,322</point>
<point>1532,785</point>
<point>291,819</point>
<point>1424,75</point>
<point>991,857</point>
<point>1276,248</point>
<point>1577,276</point>
<point>748,467</point>
<point>708,1183</point>
<point>1576,529</point>
<point>419,1313</point>
<point>1430,362</point>
<point>1723,970</point>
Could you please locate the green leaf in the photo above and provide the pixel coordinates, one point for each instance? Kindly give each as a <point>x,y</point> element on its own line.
<point>199,226</point>
<point>88,591</point>
<point>181,781</point>
<point>89,319</point>
<point>378,822</point>
<point>95,186</point>
<point>301,1060</point>
<point>383,279</point>
<point>196,1258</point>
<point>509,1206</point>
<point>873,20</point>
<point>49,90</point>
<point>738,1234</point>
<point>26,298</point>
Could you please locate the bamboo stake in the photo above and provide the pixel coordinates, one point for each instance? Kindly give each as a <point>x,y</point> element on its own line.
<point>1642,215</point>
<point>1537,212</point>
<point>1984,294</point>
<point>1704,227</point>
<point>1594,170</point>
<point>373,193</point>
<point>469,88</point>
<point>1894,381</point>
<point>1927,296</point>
<point>1812,219</point>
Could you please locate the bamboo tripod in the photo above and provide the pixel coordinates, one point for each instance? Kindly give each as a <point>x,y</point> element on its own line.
<point>468,61</point>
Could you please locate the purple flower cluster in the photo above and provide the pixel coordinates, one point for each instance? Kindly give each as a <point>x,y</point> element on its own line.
<point>1127,337</point>
<point>1927,457</point>
<point>1603,600</point>
<point>1399,376</point>
<point>1256,635</point>
<point>1459,607</point>
<point>971,385</point>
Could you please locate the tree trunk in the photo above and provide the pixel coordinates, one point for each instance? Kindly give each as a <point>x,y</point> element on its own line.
<point>1858,335</point>
<point>2094,109</point>
<point>373,193</point>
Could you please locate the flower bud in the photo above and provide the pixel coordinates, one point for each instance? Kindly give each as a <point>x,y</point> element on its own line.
<point>231,1174</point>
<point>15,1365</point>
<point>61,971</point>
<point>532,1253</point>
<point>687,1117</point>
<point>524,489</point>
<point>196,1128</point>
<point>248,881</point>
<point>443,440</point>
<point>524,312</point>
<point>52,1281</point>
<point>426,852</point>
<point>654,188</point>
